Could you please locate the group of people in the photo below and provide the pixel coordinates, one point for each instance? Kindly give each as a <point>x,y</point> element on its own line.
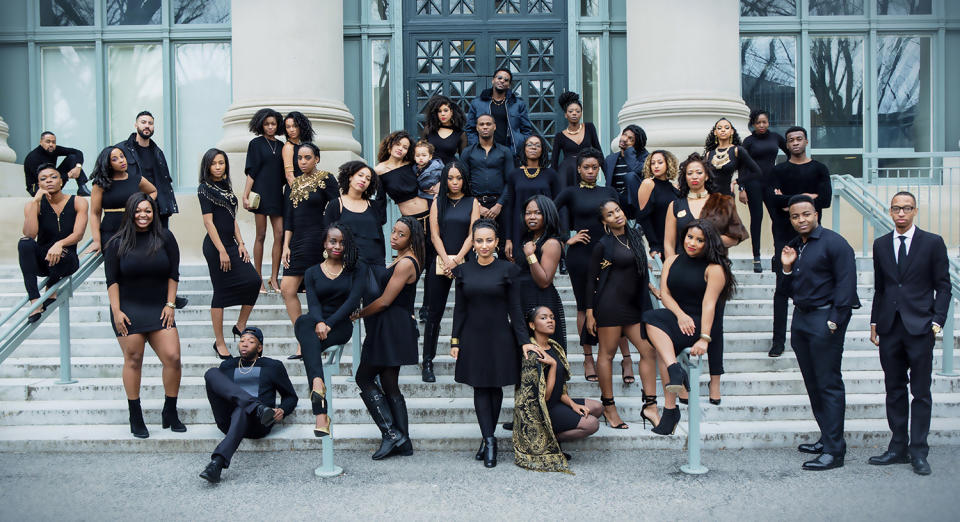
<point>486,210</point>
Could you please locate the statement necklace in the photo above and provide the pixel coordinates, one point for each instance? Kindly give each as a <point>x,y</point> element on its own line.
<point>720,158</point>
<point>527,172</point>
<point>698,195</point>
<point>578,131</point>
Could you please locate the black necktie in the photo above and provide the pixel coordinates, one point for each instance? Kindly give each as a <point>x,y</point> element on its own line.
<point>902,254</point>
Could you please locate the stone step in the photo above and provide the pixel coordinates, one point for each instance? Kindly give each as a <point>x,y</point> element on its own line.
<point>351,410</point>
<point>747,383</point>
<point>201,438</point>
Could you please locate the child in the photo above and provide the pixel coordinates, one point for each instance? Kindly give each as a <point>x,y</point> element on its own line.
<point>428,169</point>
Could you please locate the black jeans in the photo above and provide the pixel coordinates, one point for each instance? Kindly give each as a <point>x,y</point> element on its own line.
<point>235,413</point>
<point>33,264</point>
<point>819,354</point>
<point>755,193</point>
<point>312,347</point>
<point>783,232</point>
<point>899,352</point>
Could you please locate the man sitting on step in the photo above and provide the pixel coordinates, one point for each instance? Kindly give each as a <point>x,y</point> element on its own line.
<point>243,395</point>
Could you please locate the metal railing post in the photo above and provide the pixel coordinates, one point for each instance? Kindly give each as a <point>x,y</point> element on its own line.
<point>948,344</point>
<point>66,291</point>
<point>330,368</point>
<point>836,212</point>
<point>693,465</point>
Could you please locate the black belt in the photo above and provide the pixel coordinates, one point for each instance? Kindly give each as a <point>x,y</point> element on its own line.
<point>488,201</point>
<point>809,309</point>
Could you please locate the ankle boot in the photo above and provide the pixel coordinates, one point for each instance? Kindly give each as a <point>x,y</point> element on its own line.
<point>169,417</point>
<point>483,449</point>
<point>678,379</point>
<point>379,410</point>
<point>137,426</point>
<point>431,332</point>
<point>398,407</point>
<point>668,421</point>
<point>490,452</point>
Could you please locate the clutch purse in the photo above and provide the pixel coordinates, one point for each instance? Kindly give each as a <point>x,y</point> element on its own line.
<point>253,200</point>
<point>440,268</point>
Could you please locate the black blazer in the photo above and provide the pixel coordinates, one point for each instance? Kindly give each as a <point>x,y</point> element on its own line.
<point>273,380</point>
<point>921,295</point>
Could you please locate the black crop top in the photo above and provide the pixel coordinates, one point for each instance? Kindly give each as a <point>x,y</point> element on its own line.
<point>400,183</point>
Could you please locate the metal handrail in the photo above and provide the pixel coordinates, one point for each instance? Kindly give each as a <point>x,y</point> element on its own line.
<point>855,193</point>
<point>20,329</point>
<point>693,465</point>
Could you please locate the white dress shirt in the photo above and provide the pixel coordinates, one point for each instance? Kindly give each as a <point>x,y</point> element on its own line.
<point>896,241</point>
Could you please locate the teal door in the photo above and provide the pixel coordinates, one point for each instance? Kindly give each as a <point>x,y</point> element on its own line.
<point>452,47</point>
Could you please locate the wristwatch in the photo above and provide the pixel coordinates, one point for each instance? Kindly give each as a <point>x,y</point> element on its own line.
<point>936,328</point>
<point>832,326</point>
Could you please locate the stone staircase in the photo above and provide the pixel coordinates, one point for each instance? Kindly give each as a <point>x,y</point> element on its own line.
<point>764,401</point>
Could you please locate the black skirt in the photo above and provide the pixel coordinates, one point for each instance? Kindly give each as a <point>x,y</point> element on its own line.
<point>238,286</point>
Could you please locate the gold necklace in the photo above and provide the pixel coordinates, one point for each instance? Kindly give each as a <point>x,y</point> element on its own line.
<point>453,202</point>
<point>720,158</point>
<point>527,173</point>
<point>621,242</point>
<point>327,272</point>
<point>578,131</point>
<point>307,184</point>
<point>697,195</point>
<point>249,368</point>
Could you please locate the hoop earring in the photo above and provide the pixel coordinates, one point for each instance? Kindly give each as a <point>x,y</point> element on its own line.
<point>606,229</point>
<point>325,254</point>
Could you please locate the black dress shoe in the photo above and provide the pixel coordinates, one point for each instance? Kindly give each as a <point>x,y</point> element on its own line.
<point>265,414</point>
<point>212,472</point>
<point>824,462</point>
<point>920,465</point>
<point>814,449</point>
<point>889,457</point>
<point>776,350</point>
<point>82,190</point>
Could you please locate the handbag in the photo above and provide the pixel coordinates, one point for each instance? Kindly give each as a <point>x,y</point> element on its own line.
<point>253,200</point>
<point>439,268</point>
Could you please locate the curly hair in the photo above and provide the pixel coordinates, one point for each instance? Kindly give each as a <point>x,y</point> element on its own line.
<point>102,174</point>
<point>431,122</point>
<point>443,196</point>
<point>418,238</point>
<point>260,117</point>
<point>568,98</point>
<point>350,251</point>
<point>544,158</point>
<point>303,125</point>
<point>695,157</point>
<point>715,253</point>
<point>639,139</point>
<point>207,161</point>
<point>755,114</point>
<point>388,142</point>
<point>670,160</point>
<point>634,238</point>
<point>348,169</point>
<point>710,144</point>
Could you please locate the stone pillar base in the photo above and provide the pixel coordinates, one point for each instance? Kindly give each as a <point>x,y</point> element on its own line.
<point>680,123</point>
<point>6,153</point>
<point>332,123</point>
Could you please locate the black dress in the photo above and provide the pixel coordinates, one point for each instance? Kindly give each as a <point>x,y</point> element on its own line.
<point>488,324</point>
<point>114,202</point>
<point>653,217</point>
<point>446,149</point>
<point>583,204</point>
<point>567,149</point>
<point>562,417</point>
<point>304,216</point>
<point>367,228</point>
<point>265,167</point>
<point>619,292</point>
<point>531,295</point>
<point>738,159</point>
<point>241,284</point>
<point>392,334</point>
<point>142,277</point>
<point>519,188</point>
<point>687,283</point>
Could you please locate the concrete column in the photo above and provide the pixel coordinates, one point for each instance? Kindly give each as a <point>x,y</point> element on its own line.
<point>683,71</point>
<point>288,55</point>
<point>6,153</point>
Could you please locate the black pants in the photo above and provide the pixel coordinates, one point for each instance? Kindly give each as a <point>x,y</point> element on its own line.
<point>783,232</point>
<point>819,354</point>
<point>487,402</point>
<point>33,264</point>
<point>389,379</point>
<point>165,220</point>
<point>488,202</point>
<point>755,194</point>
<point>65,166</point>
<point>899,352</point>
<point>312,347</point>
<point>235,413</point>
<point>715,347</point>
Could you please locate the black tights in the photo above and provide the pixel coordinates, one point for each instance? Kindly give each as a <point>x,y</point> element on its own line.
<point>755,193</point>
<point>487,402</point>
<point>389,379</point>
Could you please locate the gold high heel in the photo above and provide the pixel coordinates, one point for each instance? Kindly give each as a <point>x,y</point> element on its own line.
<point>319,401</point>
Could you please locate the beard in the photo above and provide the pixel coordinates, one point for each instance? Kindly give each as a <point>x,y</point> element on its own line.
<point>145,134</point>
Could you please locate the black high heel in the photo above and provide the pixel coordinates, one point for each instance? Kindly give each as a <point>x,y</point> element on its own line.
<point>482,450</point>
<point>169,417</point>
<point>220,355</point>
<point>757,267</point>
<point>648,400</point>
<point>490,452</point>
<point>679,380</point>
<point>318,402</point>
<point>236,332</point>
<point>608,401</point>
<point>668,422</point>
<point>137,427</point>
<point>715,402</point>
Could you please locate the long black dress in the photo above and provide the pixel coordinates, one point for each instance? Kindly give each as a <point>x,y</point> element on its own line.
<point>619,292</point>
<point>653,217</point>
<point>304,216</point>
<point>447,149</point>
<point>518,189</point>
<point>687,283</point>
<point>114,202</point>
<point>367,228</point>
<point>392,334</point>
<point>142,277</point>
<point>265,167</point>
<point>488,324</point>
<point>584,205</point>
<point>241,284</point>
<point>531,295</point>
<point>567,149</point>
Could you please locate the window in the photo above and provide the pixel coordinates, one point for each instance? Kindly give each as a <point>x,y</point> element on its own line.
<point>903,93</point>
<point>133,12</point>
<point>835,7</point>
<point>380,76</point>
<point>768,7</point>
<point>203,95</point>
<point>769,77</point>
<point>904,7</point>
<point>201,11</point>
<point>836,92</point>
<point>69,102</point>
<point>590,79</point>
<point>135,83</point>
<point>57,13</point>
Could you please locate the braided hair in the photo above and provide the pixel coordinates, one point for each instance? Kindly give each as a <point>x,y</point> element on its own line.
<point>710,144</point>
<point>350,251</point>
<point>418,240</point>
<point>715,253</point>
<point>634,238</point>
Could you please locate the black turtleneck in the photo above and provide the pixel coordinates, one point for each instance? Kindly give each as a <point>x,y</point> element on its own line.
<point>763,148</point>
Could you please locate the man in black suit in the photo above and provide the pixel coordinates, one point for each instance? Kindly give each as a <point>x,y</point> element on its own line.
<point>910,303</point>
<point>243,395</point>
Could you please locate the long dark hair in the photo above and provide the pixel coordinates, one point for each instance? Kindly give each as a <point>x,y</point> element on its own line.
<point>102,174</point>
<point>431,122</point>
<point>484,223</point>
<point>388,141</point>
<point>260,117</point>
<point>443,196</point>
<point>207,161</point>
<point>418,239</point>
<point>551,220</point>
<point>350,251</point>
<point>695,157</point>
<point>710,144</point>
<point>634,239</point>
<point>714,252</point>
<point>544,158</point>
<point>350,168</point>
<point>302,123</point>
<point>639,139</point>
<point>126,235</point>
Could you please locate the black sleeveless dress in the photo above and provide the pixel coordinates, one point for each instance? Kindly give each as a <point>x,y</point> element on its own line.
<point>142,277</point>
<point>446,149</point>
<point>687,283</point>
<point>562,417</point>
<point>531,295</point>
<point>114,201</point>
<point>653,217</point>
<point>564,147</point>
<point>392,334</point>
<point>367,228</point>
<point>241,284</point>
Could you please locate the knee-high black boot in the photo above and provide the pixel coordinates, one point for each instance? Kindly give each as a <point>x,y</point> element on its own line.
<point>431,333</point>
<point>398,407</point>
<point>380,412</point>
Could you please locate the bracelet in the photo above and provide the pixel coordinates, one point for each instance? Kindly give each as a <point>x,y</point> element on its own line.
<point>532,259</point>
<point>706,337</point>
<point>171,305</point>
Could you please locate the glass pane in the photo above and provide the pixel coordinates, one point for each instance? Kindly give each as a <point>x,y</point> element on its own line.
<point>58,13</point>
<point>429,56</point>
<point>201,11</point>
<point>380,49</point>
<point>508,55</point>
<point>540,6</point>
<point>69,104</point>
<point>836,92</point>
<point>379,9</point>
<point>463,56</point>
<point>590,77</point>
<point>769,77</point>
<point>842,163</point>
<point>133,12</point>
<point>540,55</point>
<point>428,7</point>
<point>903,92</point>
<point>507,6</point>
<point>463,7</point>
<point>462,92</point>
<point>203,95</point>
<point>768,7</point>
<point>836,7</point>
<point>904,7</point>
<point>589,7</point>
<point>135,83</point>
